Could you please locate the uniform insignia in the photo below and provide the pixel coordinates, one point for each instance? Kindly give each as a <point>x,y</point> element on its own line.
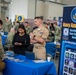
<point>41,32</point>
<point>39,29</point>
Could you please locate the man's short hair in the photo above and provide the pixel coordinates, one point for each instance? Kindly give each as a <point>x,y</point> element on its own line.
<point>1,22</point>
<point>48,20</point>
<point>18,22</point>
<point>7,17</point>
<point>39,17</point>
<point>55,23</point>
<point>26,22</point>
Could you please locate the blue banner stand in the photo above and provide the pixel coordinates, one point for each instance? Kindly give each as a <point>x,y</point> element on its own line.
<point>67,62</point>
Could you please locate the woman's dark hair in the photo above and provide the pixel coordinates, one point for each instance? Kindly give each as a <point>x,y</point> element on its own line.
<point>52,26</point>
<point>22,26</point>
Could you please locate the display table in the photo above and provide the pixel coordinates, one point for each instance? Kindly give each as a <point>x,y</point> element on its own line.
<point>28,67</point>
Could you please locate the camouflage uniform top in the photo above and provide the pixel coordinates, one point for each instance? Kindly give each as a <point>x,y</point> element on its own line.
<point>10,37</point>
<point>16,27</point>
<point>57,34</point>
<point>28,29</point>
<point>1,49</point>
<point>7,26</point>
<point>1,30</point>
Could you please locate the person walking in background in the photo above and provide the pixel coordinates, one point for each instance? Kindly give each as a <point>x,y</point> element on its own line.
<point>38,38</point>
<point>13,25</point>
<point>50,33</point>
<point>48,22</point>
<point>47,27</point>
<point>21,41</point>
<point>16,25</point>
<point>57,33</point>
<point>27,27</point>
<point>7,25</point>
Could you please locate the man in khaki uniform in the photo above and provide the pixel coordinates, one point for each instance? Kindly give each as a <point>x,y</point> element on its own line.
<point>38,38</point>
<point>2,65</point>
<point>27,27</point>
<point>7,25</point>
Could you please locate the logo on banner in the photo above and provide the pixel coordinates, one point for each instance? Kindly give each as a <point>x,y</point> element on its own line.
<point>65,31</point>
<point>73,15</point>
<point>19,18</point>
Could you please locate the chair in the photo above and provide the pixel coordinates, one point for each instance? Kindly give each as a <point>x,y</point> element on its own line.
<point>30,47</point>
<point>5,33</point>
<point>30,55</point>
<point>50,49</point>
<point>4,39</point>
<point>58,50</point>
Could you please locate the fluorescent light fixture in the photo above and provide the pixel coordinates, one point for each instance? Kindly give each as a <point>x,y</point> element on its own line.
<point>8,0</point>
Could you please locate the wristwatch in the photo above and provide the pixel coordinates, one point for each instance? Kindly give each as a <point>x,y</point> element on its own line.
<point>34,36</point>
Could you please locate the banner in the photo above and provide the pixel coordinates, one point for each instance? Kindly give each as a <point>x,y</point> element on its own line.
<point>20,18</point>
<point>67,63</point>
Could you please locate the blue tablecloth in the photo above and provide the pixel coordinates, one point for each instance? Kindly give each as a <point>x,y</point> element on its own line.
<point>51,48</point>
<point>28,67</point>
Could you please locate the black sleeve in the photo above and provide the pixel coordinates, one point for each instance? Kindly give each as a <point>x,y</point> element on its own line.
<point>27,41</point>
<point>13,41</point>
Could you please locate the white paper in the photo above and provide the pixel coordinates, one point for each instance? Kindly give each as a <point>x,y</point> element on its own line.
<point>39,61</point>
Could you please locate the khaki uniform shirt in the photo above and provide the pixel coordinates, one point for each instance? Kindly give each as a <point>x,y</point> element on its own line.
<point>41,32</point>
<point>39,48</point>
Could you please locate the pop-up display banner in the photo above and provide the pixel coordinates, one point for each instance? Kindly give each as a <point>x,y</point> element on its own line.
<point>67,63</point>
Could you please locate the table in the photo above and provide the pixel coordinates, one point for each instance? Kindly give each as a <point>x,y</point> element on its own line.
<point>28,67</point>
<point>51,48</point>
